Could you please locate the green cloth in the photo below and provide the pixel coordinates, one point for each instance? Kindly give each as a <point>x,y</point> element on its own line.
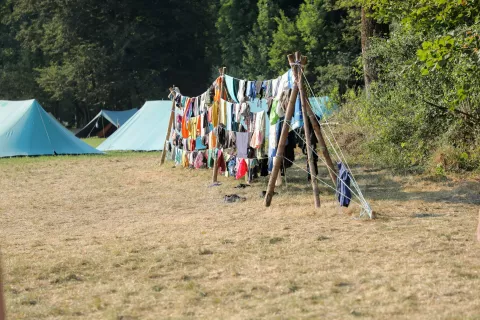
<point>273,113</point>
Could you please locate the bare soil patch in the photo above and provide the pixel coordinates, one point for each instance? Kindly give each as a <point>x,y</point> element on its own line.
<point>119,237</point>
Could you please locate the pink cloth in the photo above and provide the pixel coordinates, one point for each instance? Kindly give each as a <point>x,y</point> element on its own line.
<point>198,163</point>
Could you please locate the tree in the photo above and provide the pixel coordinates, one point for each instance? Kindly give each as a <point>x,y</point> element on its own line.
<point>285,41</point>
<point>116,54</point>
<point>331,44</point>
<point>255,60</point>
<point>17,77</point>
<point>370,28</point>
<point>234,24</point>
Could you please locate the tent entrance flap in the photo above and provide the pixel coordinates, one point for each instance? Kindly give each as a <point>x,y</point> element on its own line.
<point>105,123</point>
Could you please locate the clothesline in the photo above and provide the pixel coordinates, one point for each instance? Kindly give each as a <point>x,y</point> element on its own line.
<point>245,119</point>
<point>243,128</point>
<point>226,75</point>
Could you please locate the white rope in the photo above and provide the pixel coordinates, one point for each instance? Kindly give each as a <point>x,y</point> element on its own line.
<point>329,186</point>
<point>96,123</point>
<point>364,205</point>
<point>342,157</point>
<point>324,162</point>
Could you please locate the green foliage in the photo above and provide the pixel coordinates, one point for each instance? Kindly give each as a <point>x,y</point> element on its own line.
<point>235,18</point>
<point>285,41</point>
<point>82,55</point>
<point>110,54</point>
<point>334,52</point>
<point>327,36</point>
<point>410,116</point>
<point>255,60</point>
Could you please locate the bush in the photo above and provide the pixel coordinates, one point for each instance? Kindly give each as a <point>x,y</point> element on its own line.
<point>410,119</point>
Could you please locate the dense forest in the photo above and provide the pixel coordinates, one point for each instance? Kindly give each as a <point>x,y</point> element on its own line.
<point>405,73</point>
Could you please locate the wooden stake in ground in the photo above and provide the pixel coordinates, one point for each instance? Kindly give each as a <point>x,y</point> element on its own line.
<point>215,160</point>
<point>308,142</point>
<point>2,302</point>
<point>278,160</point>
<point>170,124</point>
<point>478,227</point>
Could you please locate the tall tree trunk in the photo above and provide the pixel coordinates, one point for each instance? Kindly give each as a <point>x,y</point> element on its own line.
<point>370,28</point>
<point>82,114</point>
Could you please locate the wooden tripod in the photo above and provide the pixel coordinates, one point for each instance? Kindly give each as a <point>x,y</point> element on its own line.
<point>297,63</point>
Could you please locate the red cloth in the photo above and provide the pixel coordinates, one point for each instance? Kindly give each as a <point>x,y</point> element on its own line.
<point>242,169</point>
<point>222,166</point>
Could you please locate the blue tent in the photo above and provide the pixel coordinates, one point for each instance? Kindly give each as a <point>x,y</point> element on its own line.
<point>145,131</point>
<point>26,129</point>
<point>105,123</point>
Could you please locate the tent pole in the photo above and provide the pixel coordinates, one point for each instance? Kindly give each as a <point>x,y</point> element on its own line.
<point>306,127</point>
<point>170,124</point>
<point>278,160</point>
<point>215,160</point>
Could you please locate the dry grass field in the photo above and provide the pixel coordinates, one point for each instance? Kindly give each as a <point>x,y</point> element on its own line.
<point>119,237</point>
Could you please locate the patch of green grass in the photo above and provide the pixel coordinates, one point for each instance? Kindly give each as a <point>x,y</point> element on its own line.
<point>94,142</point>
<point>19,161</point>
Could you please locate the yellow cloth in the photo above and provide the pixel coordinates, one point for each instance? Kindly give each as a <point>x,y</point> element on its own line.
<point>193,128</point>
<point>212,141</point>
<point>215,114</point>
<point>184,159</point>
<point>223,112</point>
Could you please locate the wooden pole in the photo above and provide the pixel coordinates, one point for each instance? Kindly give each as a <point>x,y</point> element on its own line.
<point>278,160</point>
<point>215,160</point>
<point>170,124</point>
<point>306,127</point>
<point>2,301</point>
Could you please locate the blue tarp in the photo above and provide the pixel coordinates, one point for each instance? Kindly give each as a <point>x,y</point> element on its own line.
<point>26,129</point>
<point>145,131</point>
<point>322,106</point>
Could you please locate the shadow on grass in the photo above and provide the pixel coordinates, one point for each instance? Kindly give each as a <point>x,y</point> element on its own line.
<point>380,185</point>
